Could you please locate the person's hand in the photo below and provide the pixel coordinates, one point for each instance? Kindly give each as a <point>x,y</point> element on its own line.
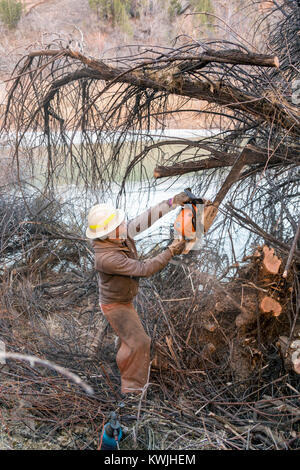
<point>177,247</point>
<point>180,199</point>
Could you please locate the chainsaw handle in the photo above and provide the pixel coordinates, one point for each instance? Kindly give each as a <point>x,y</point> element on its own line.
<point>192,197</point>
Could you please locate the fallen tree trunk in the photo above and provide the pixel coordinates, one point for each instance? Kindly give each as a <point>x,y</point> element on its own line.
<point>172,81</point>
<point>253,156</point>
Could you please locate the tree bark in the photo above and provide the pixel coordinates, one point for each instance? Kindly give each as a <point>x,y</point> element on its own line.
<point>173,81</point>
<point>253,156</point>
<point>231,56</point>
<point>290,351</point>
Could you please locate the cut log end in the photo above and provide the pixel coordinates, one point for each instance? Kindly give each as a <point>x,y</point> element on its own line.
<point>271,262</point>
<point>270,305</point>
<point>276,62</point>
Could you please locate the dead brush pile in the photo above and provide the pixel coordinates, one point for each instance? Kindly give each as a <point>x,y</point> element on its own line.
<point>220,377</point>
<point>225,330</point>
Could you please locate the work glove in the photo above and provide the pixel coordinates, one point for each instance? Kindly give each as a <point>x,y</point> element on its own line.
<point>180,199</point>
<point>177,247</point>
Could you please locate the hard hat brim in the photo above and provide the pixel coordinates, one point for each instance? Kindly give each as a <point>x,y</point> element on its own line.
<point>92,235</point>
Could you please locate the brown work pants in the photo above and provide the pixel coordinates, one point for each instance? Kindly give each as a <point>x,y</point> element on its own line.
<point>133,356</point>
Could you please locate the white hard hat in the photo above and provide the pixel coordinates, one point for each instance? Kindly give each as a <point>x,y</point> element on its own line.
<point>103,219</point>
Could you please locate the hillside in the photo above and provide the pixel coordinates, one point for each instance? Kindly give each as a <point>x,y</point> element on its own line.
<point>88,30</point>
<point>150,22</point>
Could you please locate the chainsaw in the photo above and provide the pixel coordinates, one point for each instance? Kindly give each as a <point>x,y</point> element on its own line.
<point>186,221</point>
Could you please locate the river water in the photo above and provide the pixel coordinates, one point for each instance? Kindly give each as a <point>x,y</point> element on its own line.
<point>140,194</point>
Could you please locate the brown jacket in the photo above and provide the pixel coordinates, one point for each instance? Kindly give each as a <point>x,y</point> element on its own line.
<point>117,261</point>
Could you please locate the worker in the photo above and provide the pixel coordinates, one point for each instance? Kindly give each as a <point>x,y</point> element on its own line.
<point>116,261</point>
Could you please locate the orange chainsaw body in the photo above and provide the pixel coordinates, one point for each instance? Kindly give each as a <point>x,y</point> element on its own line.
<point>185,223</point>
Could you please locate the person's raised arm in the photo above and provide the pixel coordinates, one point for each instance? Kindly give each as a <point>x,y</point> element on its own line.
<point>149,217</point>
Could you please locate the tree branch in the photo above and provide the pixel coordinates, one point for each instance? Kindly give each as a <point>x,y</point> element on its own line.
<point>171,81</point>
<point>218,159</point>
